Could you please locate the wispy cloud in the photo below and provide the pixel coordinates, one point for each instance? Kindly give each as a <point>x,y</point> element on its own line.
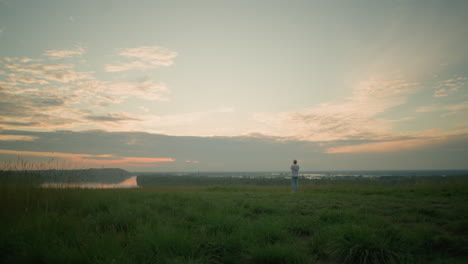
<point>448,109</point>
<point>38,109</point>
<point>79,50</point>
<point>112,117</point>
<point>105,92</point>
<point>126,161</point>
<point>19,124</point>
<point>38,94</point>
<point>89,159</point>
<point>41,93</point>
<point>414,141</point>
<point>146,57</point>
<point>41,73</point>
<point>354,118</point>
<point>144,89</point>
<point>52,154</point>
<point>450,86</point>
<point>17,138</point>
<point>191,123</point>
<point>22,78</point>
<point>385,146</point>
<point>422,150</point>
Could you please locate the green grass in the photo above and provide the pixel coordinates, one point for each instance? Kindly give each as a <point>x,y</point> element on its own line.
<point>236,224</point>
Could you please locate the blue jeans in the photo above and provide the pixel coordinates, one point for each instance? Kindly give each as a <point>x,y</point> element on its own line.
<point>295,183</point>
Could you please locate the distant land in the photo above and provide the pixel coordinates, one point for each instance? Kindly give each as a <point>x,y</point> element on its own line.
<point>154,179</point>
<point>329,173</point>
<point>113,176</point>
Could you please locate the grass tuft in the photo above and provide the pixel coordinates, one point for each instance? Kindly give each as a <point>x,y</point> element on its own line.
<point>361,244</point>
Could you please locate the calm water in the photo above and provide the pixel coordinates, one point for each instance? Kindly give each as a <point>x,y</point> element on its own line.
<point>128,183</point>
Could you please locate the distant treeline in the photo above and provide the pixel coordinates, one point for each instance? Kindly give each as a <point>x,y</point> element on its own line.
<point>110,175</point>
<point>147,180</point>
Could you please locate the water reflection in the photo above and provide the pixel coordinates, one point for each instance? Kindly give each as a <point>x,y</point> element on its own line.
<point>128,183</point>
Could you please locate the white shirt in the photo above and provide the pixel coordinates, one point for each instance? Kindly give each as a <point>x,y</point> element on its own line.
<point>295,170</point>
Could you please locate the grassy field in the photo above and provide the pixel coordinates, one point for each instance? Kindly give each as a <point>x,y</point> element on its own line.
<point>335,223</point>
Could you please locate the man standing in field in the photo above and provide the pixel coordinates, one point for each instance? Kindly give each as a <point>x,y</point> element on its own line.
<point>295,176</point>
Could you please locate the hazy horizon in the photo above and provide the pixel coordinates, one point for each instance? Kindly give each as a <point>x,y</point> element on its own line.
<point>235,85</point>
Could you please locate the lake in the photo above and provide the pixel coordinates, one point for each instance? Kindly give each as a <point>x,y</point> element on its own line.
<point>128,183</point>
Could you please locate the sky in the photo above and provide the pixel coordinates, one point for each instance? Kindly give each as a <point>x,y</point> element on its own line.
<point>234,85</point>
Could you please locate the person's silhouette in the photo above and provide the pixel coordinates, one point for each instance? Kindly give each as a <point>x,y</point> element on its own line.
<point>295,176</point>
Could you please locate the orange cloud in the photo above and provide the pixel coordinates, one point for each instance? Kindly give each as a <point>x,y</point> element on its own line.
<point>17,138</point>
<point>386,146</point>
<point>76,52</point>
<point>146,57</point>
<point>122,160</point>
<point>450,86</point>
<point>50,154</point>
<point>356,117</point>
<point>104,159</point>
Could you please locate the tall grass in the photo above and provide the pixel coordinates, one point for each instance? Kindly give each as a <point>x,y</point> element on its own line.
<point>236,224</point>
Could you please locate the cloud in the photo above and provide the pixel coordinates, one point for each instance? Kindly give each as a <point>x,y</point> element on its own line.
<point>40,73</point>
<point>440,93</point>
<point>112,117</point>
<point>110,149</point>
<point>44,94</point>
<point>103,93</point>
<point>141,58</point>
<point>89,159</point>
<point>51,110</point>
<point>17,138</point>
<point>429,108</point>
<point>37,109</point>
<point>143,89</point>
<point>126,161</point>
<point>39,95</point>
<point>448,109</point>
<point>51,154</point>
<point>458,107</point>
<point>419,140</point>
<point>450,86</point>
<point>19,123</point>
<point>187,124</point>
<point>78,51</point>
<point>21,78</point>
<point>357,117</point>
<point>385,146</point>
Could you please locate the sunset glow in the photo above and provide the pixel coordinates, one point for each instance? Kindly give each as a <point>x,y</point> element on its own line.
<point>220,85</point>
